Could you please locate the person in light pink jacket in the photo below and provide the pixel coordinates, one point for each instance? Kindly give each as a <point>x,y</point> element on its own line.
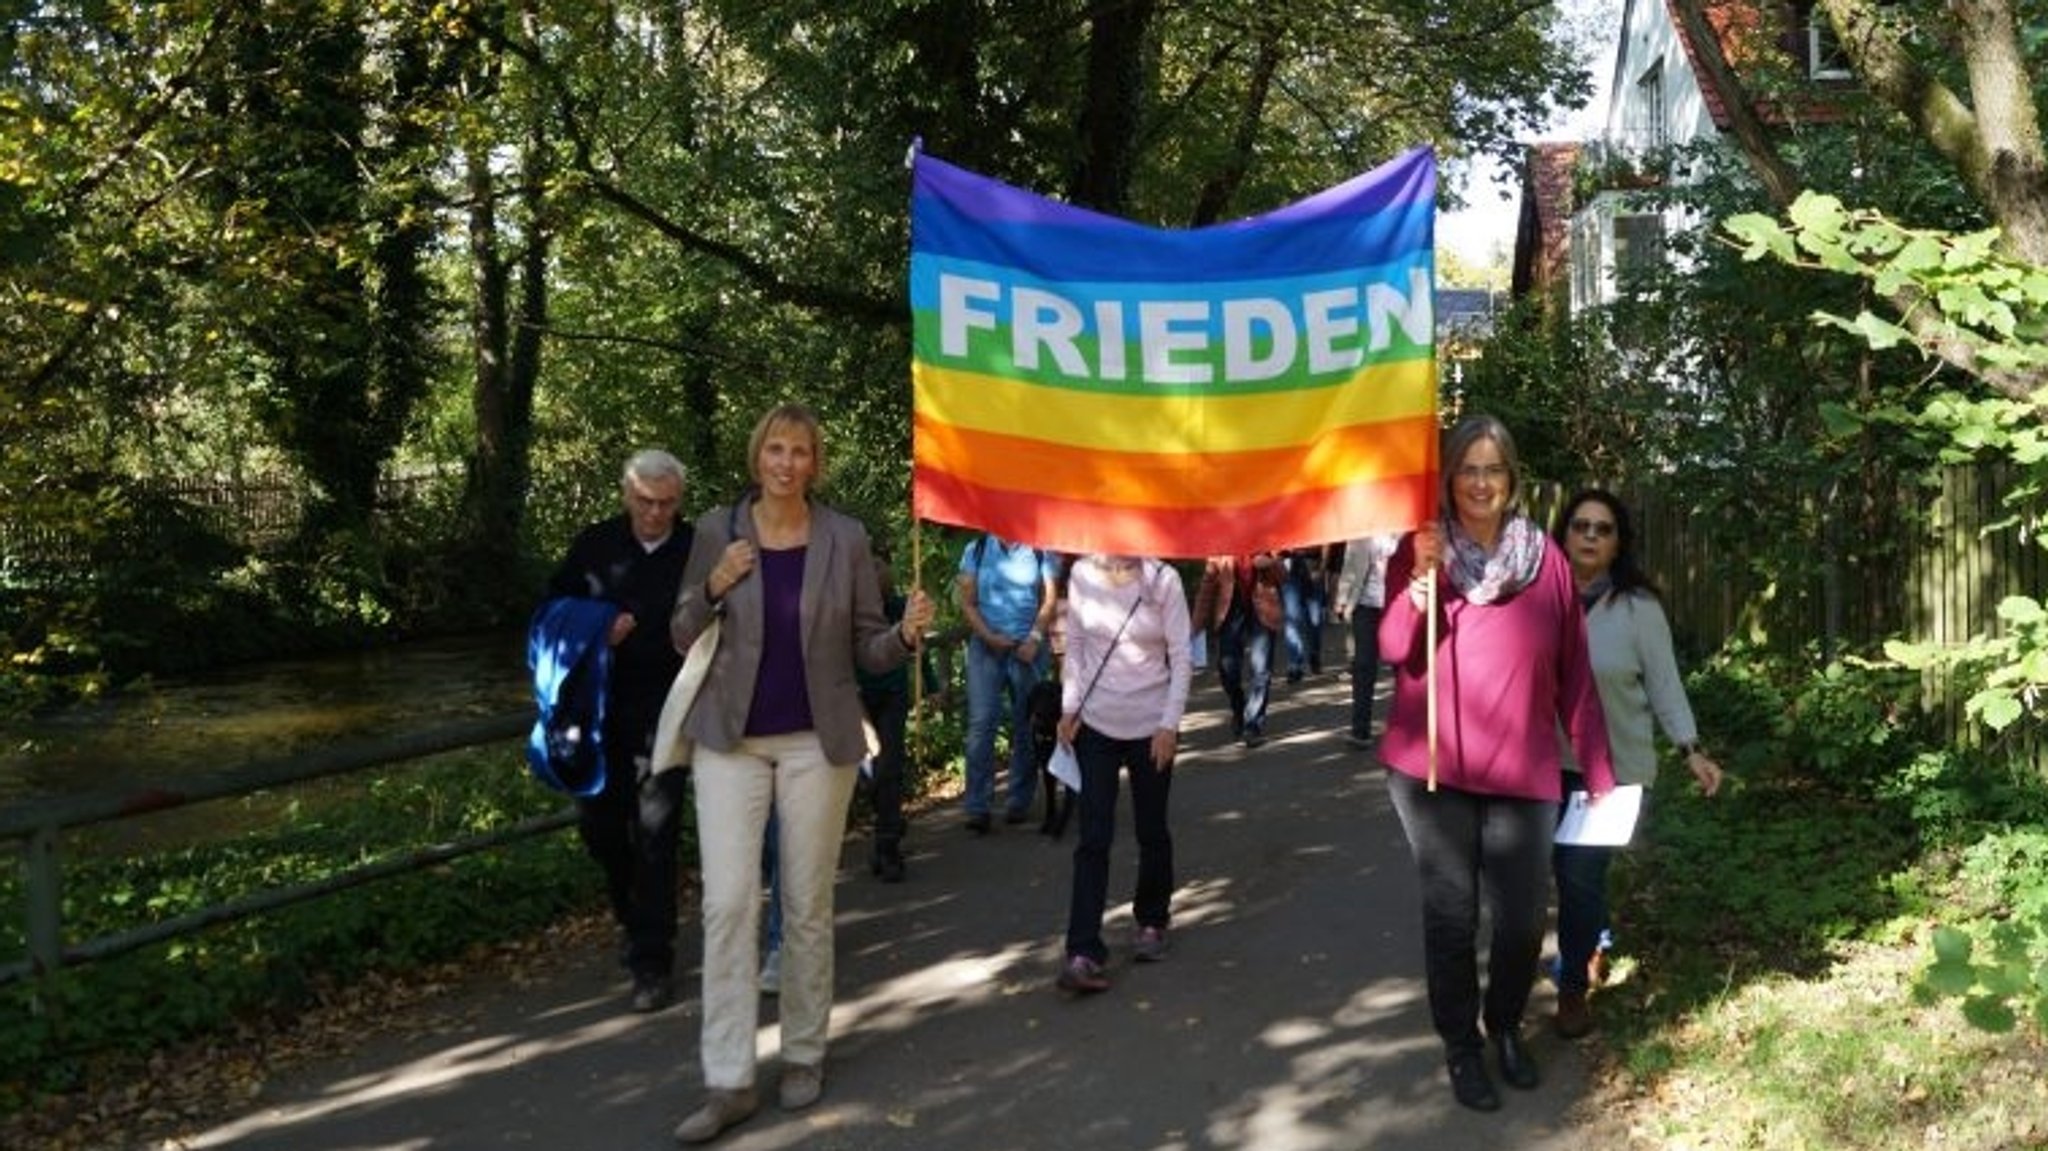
<point>1511,668</point>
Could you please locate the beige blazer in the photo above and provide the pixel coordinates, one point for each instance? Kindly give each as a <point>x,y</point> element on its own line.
<point>843,625</point>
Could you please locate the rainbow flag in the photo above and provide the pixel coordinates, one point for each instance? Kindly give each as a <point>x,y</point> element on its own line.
<point>1088,384</point>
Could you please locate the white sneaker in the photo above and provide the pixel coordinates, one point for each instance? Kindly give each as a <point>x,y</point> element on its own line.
<point>771,972</point>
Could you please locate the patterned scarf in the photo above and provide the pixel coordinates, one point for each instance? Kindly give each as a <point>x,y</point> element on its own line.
<point>1481,578</point>
<point>1594,592</point>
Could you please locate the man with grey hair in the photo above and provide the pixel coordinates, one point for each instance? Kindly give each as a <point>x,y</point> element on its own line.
<point>634,562</point>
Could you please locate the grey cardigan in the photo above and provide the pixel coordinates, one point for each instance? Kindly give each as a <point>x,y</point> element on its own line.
<point>843,624</point>
<point>1637,675</point>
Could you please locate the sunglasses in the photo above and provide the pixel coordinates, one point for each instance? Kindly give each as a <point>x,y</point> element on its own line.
<point>1598,529</point>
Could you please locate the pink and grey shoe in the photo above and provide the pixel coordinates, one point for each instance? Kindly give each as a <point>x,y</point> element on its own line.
<point>1082,976</point>
<point>1150,946</point>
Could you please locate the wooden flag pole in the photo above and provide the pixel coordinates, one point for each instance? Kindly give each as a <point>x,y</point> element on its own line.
<point>917,649</point>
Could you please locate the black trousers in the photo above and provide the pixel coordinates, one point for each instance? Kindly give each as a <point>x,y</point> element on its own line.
<point>889,711</point>
<point>630,829</point>
<point>1103,758</point>
<point>1468,848</point>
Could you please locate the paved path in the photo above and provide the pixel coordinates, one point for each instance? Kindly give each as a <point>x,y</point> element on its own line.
<point>1289,1017</point>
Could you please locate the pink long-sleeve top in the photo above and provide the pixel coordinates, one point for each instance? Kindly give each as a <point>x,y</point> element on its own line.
<point>1509,674</point>
<point>1135,636</point>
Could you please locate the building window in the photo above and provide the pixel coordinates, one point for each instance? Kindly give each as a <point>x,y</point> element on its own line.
<point>1638,251</point>
<point>1825,59</point>
<point>1645,124</point>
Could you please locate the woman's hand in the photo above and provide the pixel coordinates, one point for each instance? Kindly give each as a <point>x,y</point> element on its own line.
<point>1429,553</point>
<point>1069,727</point>
<point>917,616</point>
<point>735,565</point>
<point>1429,546</point>
<point>1705,771</point>
<point>1165,742</point>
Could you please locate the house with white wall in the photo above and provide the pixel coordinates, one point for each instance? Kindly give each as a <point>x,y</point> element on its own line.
<point>1657,106</point>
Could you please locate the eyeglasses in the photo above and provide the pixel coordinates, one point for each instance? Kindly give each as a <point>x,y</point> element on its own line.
<point>1598,529</point>
<point>1474,473</point>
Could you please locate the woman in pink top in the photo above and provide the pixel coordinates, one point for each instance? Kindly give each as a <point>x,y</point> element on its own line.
<point>1511,667</point>
<point>1124,684</point>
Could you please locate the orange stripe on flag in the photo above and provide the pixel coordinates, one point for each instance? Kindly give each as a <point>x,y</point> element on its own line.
<point>1340,457</point>
<point>1075,525</point>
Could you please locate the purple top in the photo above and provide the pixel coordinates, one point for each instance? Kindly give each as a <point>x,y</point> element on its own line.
<point>782,700</point>
<point>1509,674</point>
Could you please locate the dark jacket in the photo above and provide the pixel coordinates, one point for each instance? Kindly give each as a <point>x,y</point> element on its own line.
<point>607,563</point>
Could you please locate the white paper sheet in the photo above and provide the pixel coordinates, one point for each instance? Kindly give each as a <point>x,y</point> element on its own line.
<point>1609,823</point>
<point>1065,767</point>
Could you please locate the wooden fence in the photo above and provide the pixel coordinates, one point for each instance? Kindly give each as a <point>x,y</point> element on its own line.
<point>1944,587</point>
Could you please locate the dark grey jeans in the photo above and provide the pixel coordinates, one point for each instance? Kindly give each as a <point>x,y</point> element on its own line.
<point>1468,847</point>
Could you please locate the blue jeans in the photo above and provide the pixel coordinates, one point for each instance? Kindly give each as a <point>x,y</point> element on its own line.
<point>1244,651</point>
<point>1294,625</point>
<point>1468,848</point>
<point>1102,759</point>
<point>1581,874</point>
<point>992,680</point>
<point>1365,666</point>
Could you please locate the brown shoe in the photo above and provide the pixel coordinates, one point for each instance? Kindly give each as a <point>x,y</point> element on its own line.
<point>1596,969</point>
<point>722,1108</point>
<point>1574,1015</point>
<point>802,1084</point>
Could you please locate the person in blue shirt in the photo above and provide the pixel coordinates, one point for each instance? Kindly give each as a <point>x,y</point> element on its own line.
<point>1007,597</point>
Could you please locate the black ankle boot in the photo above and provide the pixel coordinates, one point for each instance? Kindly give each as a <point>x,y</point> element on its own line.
<point>887,861</point>
<point>1470,1083</point>
<point>1516,1067</point>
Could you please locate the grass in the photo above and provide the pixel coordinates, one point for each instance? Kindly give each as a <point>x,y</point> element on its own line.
<point>1842,1059</point>
<point>1766,998</point>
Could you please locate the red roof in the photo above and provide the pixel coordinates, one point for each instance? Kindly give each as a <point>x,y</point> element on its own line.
<point>1753,37</point>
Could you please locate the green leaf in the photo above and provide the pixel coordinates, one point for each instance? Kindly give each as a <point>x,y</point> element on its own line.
<point>1761,235</point>
<point>1880,333</point>
<point>1921,254</point>
<point>1840,419</point>
<point>1988,1014</point>
<point>1952,945</point>
<point>1997,708</point>
<point>1817,213</point>
<point>1949,979</point>
<point>2020,610</point>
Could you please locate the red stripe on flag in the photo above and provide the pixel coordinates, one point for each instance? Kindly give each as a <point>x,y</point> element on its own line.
<point>1077,525</point>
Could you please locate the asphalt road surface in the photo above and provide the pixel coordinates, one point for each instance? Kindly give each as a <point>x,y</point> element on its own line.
<point>1289,1016</point>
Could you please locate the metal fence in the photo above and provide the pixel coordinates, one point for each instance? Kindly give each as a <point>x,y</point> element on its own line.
<point>39,826</point>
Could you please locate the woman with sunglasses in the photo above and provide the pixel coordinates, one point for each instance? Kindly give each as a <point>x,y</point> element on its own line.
<point>1477,790</point>
<point>1638,679</point>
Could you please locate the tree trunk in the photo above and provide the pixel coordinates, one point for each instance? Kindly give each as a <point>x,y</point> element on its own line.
<point>1114,104</point>
<point>507,336</point>
<point>1218,192</point>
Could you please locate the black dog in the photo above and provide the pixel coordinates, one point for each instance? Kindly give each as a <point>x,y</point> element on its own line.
<point>1043,706</point>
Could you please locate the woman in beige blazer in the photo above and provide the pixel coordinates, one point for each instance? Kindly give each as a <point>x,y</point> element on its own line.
<point>777,724</point>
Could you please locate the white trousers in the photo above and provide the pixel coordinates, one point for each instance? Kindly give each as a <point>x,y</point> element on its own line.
<point>735,790</point>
